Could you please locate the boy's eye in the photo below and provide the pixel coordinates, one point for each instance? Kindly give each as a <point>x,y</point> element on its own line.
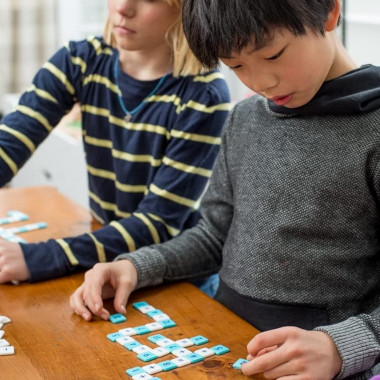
<point>234,67</point>
<point>274,57</point>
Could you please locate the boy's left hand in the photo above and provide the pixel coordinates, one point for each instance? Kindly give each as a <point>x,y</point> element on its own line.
<point>12,263</point>
<point>293,353</point>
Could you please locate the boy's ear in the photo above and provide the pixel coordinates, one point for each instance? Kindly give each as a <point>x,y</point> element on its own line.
<point>333,17</point>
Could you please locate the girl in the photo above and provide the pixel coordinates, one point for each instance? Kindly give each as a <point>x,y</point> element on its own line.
<point>151,120</point>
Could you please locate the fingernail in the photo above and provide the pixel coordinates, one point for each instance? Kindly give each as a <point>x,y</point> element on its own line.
<point>123,308</point>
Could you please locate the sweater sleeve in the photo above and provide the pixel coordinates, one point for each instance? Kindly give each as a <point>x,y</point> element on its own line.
<point>197,251</point>
<point>40,108</point>
<point>166,209</point>
<point>358,342</point>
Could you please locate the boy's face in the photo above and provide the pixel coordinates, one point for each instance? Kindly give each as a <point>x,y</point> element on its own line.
<point>290,70</point>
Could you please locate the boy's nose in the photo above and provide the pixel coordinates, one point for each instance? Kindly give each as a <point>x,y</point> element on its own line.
<point>264,90</point>
<point>263,83</point>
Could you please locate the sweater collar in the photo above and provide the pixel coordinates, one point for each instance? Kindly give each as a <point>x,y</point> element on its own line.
<point>353,93</point>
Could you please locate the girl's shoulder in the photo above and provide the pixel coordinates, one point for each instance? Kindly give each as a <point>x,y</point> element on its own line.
<point>208,79</point>
<point>211,84</point>
<point>90,48</point>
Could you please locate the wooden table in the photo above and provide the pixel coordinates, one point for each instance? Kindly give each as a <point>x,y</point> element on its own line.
<point>53,343</point>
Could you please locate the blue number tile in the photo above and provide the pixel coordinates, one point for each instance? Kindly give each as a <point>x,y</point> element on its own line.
<point>142,330</point>
<point>167,365</point>
<point>160,351</point>
<point>134,371</point>
<point>138,305</point>
<point>152,368</point>
<point>239,362</point>
<point>132,345</point>
<point>184,342</point>
<point>154,312</point>
<point>142,376</point>
<point>198,340</point>
<point>205,352</point>
<point>125,339</point>
<point>181,361</point>
<point>129,331</point>
<point>220,349</point>
<point>164,342</point>
<point>154,326</point>
<point>117,318</point>
<point>155,338</point>
<point>194,358</point>
<point>172,347</point>
<point>147,356</point>
<point>182,352</point>
<point>112,337</point>
<point>167,323</point>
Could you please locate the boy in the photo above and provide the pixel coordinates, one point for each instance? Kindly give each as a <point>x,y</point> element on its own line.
<point>291,217</point>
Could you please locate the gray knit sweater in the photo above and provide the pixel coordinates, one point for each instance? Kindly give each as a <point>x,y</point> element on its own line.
<point>292,214</point>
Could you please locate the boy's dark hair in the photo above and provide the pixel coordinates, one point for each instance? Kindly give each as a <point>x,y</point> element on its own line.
<point>216,28</point>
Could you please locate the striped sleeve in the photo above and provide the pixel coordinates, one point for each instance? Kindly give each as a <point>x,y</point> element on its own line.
<point>39,110</point>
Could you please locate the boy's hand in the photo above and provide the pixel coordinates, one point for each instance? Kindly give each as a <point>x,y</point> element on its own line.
<point>103,281</point>
<point>293,353</point>
<point>12,263</point>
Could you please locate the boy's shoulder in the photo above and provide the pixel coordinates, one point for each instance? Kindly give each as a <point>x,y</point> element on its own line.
<point>251,104</point>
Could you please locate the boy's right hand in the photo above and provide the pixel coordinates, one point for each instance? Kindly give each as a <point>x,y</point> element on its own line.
<point>116,279</point>
<point>292,353</point>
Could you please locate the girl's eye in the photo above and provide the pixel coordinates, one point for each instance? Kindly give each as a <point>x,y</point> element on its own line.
<point>274,57</point>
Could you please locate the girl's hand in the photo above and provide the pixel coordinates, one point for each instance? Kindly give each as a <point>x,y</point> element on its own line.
<point>12,263</point>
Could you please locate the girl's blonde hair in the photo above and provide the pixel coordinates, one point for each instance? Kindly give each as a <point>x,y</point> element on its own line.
<point>184,61</point>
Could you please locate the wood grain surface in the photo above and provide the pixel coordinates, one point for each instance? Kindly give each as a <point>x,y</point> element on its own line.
<point>52,343</point>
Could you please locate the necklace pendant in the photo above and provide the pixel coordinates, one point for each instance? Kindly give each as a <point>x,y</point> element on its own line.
<point>127,117</point>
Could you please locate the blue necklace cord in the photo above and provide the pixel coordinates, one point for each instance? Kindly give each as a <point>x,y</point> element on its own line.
<point>129,114</point>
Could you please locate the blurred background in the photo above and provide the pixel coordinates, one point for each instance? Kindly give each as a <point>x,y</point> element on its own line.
<point>33,30</point>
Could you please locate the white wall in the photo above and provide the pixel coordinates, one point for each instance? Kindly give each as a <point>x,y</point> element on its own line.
<point>363,30</point>
<point>78,19</point>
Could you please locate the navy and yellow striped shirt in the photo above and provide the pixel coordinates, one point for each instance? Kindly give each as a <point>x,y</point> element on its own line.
<point>146,176</point>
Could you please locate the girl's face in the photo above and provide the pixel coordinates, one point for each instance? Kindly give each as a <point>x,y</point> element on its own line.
<point>141,24</point>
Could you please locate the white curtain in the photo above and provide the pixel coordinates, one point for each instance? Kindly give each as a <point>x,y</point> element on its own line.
<point>28,38</point>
